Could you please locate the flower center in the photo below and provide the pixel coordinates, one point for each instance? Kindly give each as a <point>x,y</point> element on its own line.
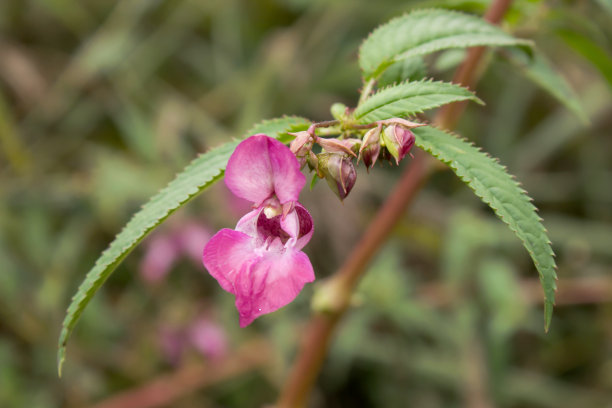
<point>269,228</point>
<point>272,207</point>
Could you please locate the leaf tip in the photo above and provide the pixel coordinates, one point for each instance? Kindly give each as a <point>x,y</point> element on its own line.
<point>548,312</point>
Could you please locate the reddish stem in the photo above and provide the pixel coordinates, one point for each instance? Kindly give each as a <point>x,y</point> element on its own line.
<point>318,333</point>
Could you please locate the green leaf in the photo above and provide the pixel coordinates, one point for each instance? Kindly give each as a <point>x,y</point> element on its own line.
<point>410,98</point>
<point>408,69</point>
<point>278,128</point>
<point>425,31</point>
<point>200,174</point>
<point>606,5</point>
<point>502,193</point>
<point>539,70</point>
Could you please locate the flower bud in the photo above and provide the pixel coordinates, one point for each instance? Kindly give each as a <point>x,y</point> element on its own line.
<point>370,148</point>
<point>339,111</point>
<point>339,173</point>
<point>347,146</point>
<point>301,145</point>
<point>313,162</point>
<point>398,141</point>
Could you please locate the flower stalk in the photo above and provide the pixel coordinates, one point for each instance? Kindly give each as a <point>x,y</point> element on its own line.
<point>319,331</point>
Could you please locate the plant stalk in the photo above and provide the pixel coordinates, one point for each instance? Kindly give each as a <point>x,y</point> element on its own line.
<point>320,329</point>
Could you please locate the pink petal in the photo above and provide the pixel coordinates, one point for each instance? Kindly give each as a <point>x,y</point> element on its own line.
<point>271,283</point>
<point>225,254</point>
<point>298,224</point>
<point>260,167</point>
<point>236,205</point>
<point>288,179</point>
<point>248,223</point>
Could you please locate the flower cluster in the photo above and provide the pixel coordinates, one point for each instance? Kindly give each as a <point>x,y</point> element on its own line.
<point>260,261</point>
<point>388,139</point>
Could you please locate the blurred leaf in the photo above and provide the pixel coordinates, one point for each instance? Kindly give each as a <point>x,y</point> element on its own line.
<point>606,5</point>
<point>449,59</point>
<point>200,174</point>
<point>502,295</point>
<point>410,98</point>
<point>465,238</point>
<point>502,193</point>
<point>387,281</point>
<point>592,52</point>
<point>408,69</point>
<point>12,148</point>
<point>593,235</point>
<point>539,70</point>
<point>558,130</point>
<point>424,32</point>
<point>136,129</point>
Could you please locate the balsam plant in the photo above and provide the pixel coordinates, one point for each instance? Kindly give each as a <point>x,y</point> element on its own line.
<point>387,122</point>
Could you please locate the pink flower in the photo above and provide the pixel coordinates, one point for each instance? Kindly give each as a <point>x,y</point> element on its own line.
<point>261,261</point>
<point>165,248</point>
<point>160,254</point>
<point>208,338</point>
<point>202,335</point>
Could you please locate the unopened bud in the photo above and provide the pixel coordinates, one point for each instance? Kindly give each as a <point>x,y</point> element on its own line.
<point>398,141</point>
<point>339,111</point>
<point>301,145</point>
<point>313,162</point>
<point>346,146</point>
<point>370,148</point>
<point>339,172</point>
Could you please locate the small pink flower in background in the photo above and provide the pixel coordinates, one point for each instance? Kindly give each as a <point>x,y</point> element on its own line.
<point>190,238</point>
<point>202,335</point>
<point>261,261</point>
<point>208,338</point>
<point>161,253</point>
<point>164,249</point>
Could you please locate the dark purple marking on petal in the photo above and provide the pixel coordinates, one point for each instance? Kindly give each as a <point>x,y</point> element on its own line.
<point>271,228</point>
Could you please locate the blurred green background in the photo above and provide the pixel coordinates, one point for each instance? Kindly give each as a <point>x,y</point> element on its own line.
<point>102,102</point>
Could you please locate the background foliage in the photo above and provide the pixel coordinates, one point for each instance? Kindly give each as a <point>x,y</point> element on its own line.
<point>102,102</point>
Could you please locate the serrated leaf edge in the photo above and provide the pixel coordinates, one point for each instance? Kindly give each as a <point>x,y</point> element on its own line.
<point>472,96</point>
<point>403,55</point>
<point>548,303</point>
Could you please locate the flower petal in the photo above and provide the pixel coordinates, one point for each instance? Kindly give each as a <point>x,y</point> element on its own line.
<point>225,254</point>
<point>288,179</point>
<point>248,223</point>
<point>270,283</point>
<point>260,167</point>
<point>299,225</point>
